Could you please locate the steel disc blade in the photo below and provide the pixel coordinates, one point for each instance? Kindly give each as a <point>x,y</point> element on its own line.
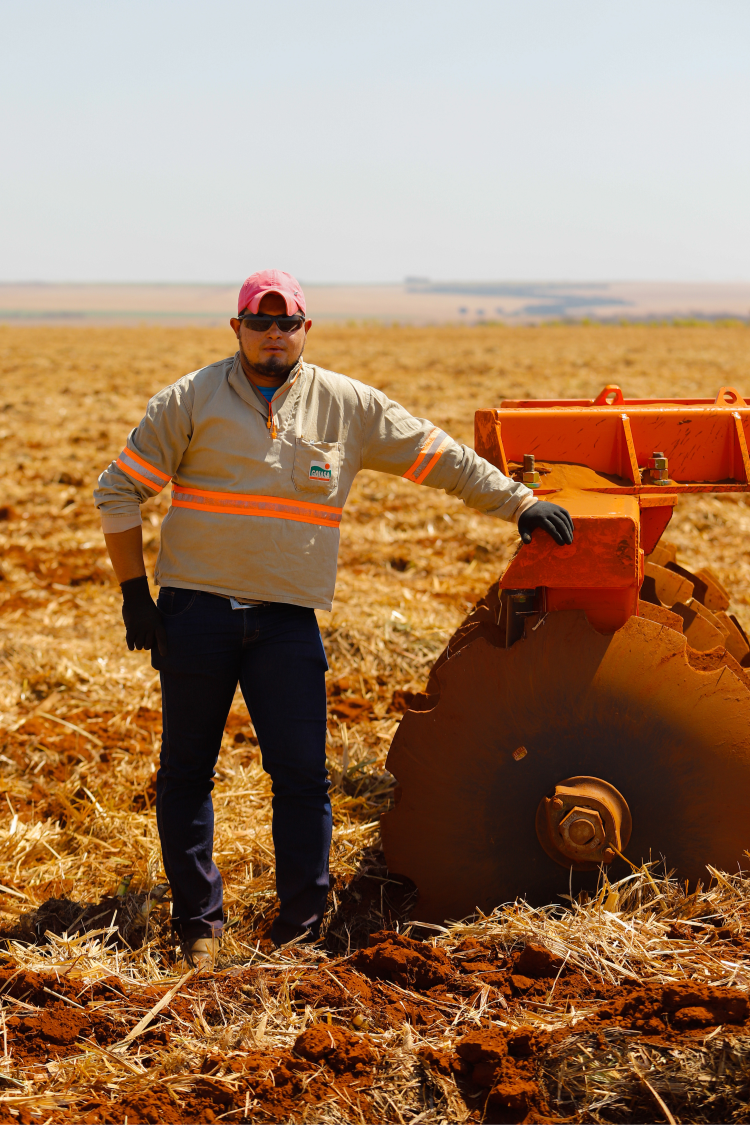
<point>626,707</point>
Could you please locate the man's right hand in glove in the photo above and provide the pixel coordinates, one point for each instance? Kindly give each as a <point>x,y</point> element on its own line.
<point>144,627</point>
<point>548,517</point>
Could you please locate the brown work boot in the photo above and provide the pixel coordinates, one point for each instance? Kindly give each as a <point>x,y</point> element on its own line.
<point>200,954</point>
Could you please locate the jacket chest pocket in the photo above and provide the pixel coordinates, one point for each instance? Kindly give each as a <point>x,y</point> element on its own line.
<point>316,466</point>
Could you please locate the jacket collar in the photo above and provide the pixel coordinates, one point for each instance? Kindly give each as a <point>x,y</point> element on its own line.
<point>240,383</point>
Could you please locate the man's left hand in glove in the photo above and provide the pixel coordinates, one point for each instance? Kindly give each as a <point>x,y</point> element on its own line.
<point>553,519</point>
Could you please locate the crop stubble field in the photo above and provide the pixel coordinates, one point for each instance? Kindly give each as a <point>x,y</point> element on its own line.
<point>528,1015</point>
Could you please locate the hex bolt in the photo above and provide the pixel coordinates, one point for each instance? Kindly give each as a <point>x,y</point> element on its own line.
<point>581,831</point>
<point>531,476</point>
<point>582,828</point>
<point>658,467</point>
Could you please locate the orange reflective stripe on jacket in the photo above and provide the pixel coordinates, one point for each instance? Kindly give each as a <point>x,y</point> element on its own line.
<point>437,442</point>
<point>237,504</point>
<point>145,473</point>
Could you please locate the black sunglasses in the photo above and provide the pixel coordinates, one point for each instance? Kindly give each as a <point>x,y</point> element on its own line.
<point>263,323</point>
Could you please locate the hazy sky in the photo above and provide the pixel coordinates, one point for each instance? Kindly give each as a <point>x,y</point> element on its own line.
<point>355,141</point>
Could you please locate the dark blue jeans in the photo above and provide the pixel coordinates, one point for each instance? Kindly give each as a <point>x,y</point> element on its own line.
<point>276,655</point>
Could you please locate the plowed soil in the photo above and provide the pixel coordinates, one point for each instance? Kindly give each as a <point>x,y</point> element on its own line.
<point>501,1069</point>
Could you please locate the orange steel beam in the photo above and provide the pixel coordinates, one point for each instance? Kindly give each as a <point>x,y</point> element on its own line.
<point>706,445</point>
<point>612,395</point>
<point>592,455</point>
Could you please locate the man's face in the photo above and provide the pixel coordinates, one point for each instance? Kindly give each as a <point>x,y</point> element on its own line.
<point>268,357</point>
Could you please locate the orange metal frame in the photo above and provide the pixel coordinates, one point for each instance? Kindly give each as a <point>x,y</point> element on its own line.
<point>705,441</point>
<point>617,520</point>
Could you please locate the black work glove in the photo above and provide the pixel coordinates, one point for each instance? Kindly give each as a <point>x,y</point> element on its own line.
<point>551,518</point>
<point>144,627</point>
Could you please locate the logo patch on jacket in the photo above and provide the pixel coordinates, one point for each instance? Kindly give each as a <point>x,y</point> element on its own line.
<point>320,470</point>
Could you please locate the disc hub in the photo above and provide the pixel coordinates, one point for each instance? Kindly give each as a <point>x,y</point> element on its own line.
<point>583,823</point>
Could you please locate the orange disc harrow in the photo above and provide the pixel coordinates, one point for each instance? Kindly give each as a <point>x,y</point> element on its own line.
<point>506,726</point>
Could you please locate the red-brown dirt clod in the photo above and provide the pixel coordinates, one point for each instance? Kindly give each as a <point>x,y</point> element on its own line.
<point>60,1025</point>
<point>503,1064</point>
<point>533,963</point>
<point>322,990</point>
<point>339,1049</point>
<point>403,961</point>
<point>536,961</point>
<point>685,1007</point>
<point>442,1061</point>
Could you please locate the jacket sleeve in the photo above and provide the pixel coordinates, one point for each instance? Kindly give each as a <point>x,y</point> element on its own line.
<point>396,442</point>
<point>151,457</point>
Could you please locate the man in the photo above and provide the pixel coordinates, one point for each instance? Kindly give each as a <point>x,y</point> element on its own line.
<point>261,449</point>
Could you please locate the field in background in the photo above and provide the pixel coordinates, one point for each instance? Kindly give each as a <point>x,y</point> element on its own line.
<point>416,301</point>
<point>81,723</point>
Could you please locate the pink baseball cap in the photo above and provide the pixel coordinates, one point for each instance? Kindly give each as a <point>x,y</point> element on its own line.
<point>257,285</point>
